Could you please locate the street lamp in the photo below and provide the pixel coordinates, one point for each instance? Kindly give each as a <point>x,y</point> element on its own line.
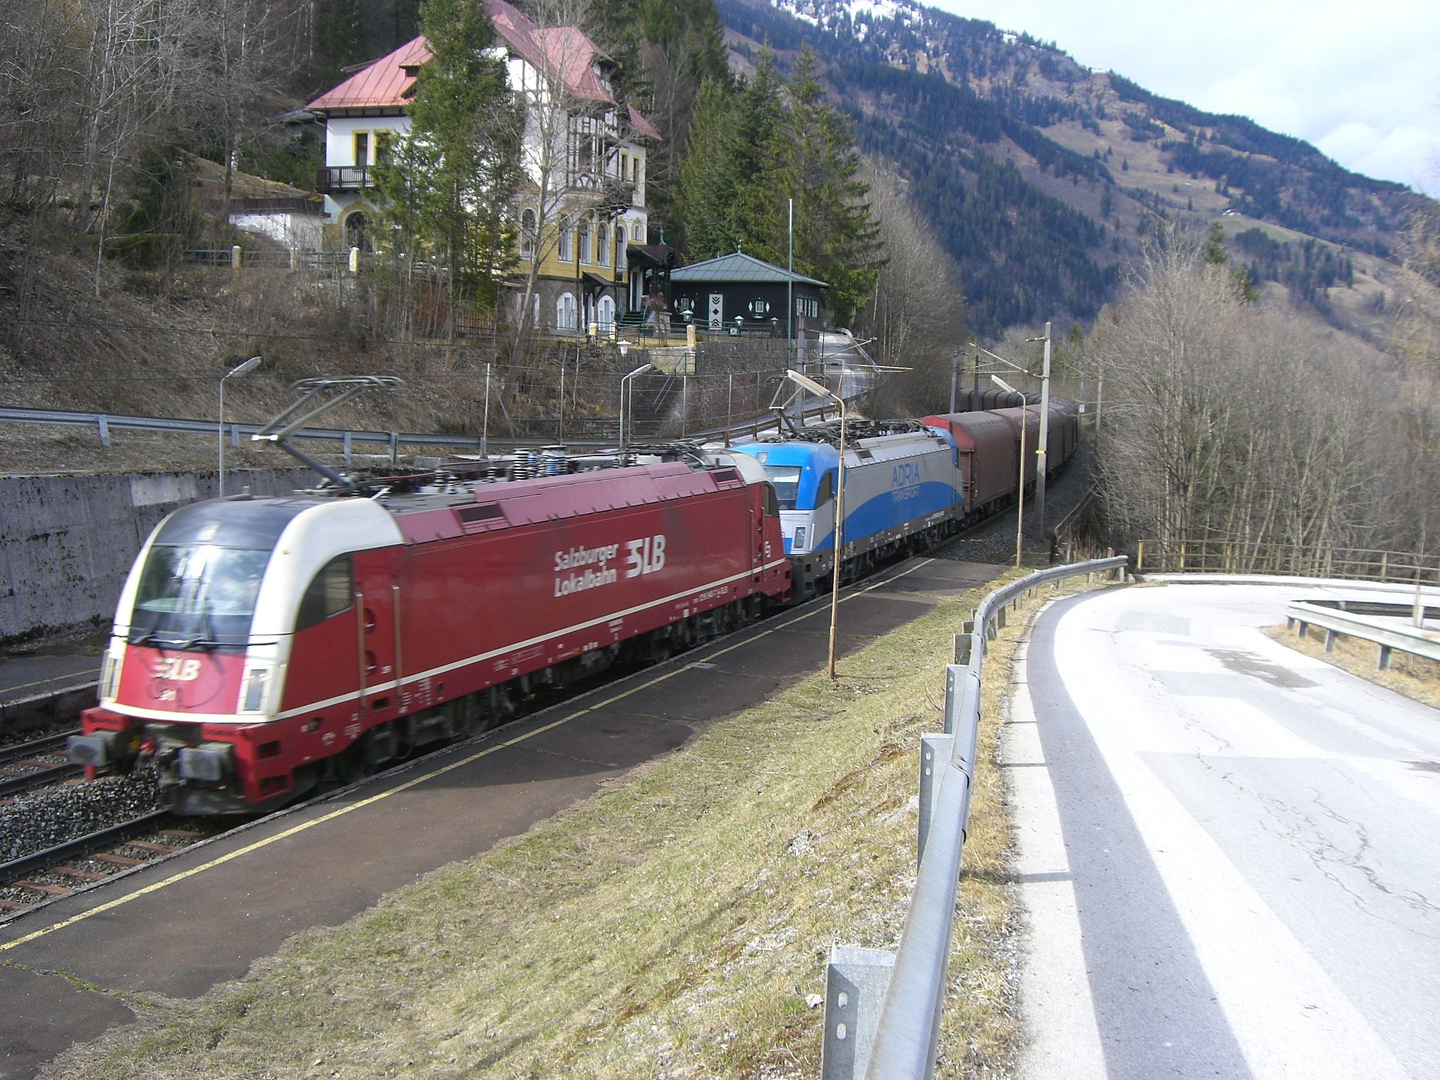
<point>1020,498</point>
<point>623,380</point>
<point>817,389</point>
<point>236,372</point>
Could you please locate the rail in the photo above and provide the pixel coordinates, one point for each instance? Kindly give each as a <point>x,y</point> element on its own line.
<point>883,1010</point>
<point>1231,557</point>
<point>1372,622</point>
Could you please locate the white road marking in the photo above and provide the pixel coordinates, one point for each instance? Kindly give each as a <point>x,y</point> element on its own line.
<point>1062,1039</point>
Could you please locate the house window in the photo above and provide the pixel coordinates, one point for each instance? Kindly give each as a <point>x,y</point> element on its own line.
<point>582,241</point>
<point>605,314</point>
<point>362,149</point>
<point>565,311</point>
<point>562,246</point>
<point>384,141</point>
<point>635,169</point>
<point>527,233</point>
<point>602,244</point>
<point>624,166</point>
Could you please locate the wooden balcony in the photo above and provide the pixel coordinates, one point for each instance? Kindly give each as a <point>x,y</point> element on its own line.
<point>345,178</point>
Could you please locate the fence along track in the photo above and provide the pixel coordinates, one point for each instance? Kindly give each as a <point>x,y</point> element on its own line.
<point>1232,557</point>
<point>882,1009</point>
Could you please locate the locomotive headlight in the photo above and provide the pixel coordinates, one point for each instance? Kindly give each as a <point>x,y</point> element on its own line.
<point>798,544</point>
<point>257,681</point>
<point>109,678</point>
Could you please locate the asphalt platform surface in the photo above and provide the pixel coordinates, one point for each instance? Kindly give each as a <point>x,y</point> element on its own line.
<point>179,926</point>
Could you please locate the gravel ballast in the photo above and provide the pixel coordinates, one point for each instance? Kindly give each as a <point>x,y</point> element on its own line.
<point>42,819</point>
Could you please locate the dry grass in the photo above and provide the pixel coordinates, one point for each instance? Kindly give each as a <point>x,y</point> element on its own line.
<point>1416,677</point>
<point>672,926</point>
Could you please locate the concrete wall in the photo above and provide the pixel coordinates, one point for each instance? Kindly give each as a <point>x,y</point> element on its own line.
<point>67,542</point>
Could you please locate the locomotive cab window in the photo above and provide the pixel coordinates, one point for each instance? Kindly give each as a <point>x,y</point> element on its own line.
<point>826,491</point>
<point>772,504</point>
<point>331,592</point>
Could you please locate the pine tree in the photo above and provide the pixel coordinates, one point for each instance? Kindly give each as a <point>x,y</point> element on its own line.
<point>751,151</point>
<point>812,159</point>
<point>448,186</point>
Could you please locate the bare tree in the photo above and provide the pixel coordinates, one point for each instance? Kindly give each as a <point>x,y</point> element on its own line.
<point>916,316</point>
<point>1228,422</point>
<point>566,145</point>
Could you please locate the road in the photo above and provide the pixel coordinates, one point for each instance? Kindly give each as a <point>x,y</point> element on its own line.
<point>1227,850</point>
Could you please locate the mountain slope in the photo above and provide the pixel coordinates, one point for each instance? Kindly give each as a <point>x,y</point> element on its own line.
<point>1039,176</point>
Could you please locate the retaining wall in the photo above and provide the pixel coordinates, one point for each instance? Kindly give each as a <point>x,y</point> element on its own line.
<point>67,542</point>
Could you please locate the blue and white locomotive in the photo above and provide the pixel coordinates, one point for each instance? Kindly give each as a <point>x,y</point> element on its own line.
<point>903,491</point>
<point>908,483</point>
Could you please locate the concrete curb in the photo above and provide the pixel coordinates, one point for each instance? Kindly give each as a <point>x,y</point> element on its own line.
<point>51,707</point>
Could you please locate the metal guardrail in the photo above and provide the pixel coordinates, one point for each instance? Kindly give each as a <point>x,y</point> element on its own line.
<point>104,423</point>
<point>1338,618</point>
<point>882,1009</point>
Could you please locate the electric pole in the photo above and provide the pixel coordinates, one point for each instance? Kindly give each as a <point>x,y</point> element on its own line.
<point>1044,433</point>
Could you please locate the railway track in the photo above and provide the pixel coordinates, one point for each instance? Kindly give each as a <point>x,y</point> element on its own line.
<point>43,876</point>
<point>37,763</point>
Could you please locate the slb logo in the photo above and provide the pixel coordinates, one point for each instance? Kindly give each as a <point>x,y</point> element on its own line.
<point>178,669</point>
<point>645,556</point>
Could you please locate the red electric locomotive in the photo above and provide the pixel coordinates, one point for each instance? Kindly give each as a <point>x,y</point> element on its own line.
<point>264,646</point>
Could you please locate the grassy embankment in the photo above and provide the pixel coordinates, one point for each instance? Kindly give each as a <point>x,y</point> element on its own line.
<point>1414,677</point>
<point>671,926</point>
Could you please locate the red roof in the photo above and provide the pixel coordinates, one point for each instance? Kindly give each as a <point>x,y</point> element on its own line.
<point>641,125</point>
<point>389,82</point>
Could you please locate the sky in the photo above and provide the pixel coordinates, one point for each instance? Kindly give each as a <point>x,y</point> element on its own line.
<point>1361,81</point>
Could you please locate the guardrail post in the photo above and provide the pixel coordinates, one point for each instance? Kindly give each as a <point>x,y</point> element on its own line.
<point>1382,662</point>
<point>963,642</point>
<point>855,985</point>
<point>104,430</point>
<point>1301,628</point>
<point>235,257</point>
<point>235,436</point>
<point>394,447</point>
<point>345,447</point>
<point>1330,637</point>
<point>935,753</point>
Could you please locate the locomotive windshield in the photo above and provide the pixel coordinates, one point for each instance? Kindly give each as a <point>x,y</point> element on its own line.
<point>203,571</point>
<point>786,480</point>
<point>197,594</point>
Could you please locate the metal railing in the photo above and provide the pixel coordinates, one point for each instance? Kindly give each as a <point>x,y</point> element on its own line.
<point>1370,621</point>
<point>1231,557</point>
<point>883,1010</point>
<point>104,423</point>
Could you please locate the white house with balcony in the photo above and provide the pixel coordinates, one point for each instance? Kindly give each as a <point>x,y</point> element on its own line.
<point>595,218</point>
